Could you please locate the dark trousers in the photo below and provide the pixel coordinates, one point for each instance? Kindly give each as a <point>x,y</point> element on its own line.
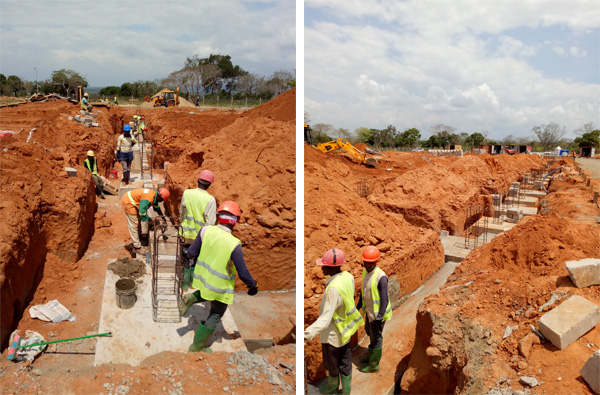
<point>337,359</point>
<point>374,330</point>
<point>217,311</point>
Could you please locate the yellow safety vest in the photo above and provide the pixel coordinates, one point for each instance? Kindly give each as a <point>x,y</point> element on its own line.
<point>193,217</point>
<point>94,170</point>
<point>375,294</point>
<point>214,275</point>
<point>349,323</point>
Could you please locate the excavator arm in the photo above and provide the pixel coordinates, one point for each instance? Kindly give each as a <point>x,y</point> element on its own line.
<point>352,150</point>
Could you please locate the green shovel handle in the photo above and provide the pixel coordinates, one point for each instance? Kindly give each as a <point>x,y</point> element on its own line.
<point>66,340</point>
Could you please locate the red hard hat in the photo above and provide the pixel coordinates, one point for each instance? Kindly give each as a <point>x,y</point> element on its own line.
<point>164,193</point>
<point>229,213</point>
<point>207,175</point>
<point>371,254</point>
<point>334,257</point>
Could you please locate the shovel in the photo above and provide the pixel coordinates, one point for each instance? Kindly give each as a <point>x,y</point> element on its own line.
<point>15,343</point>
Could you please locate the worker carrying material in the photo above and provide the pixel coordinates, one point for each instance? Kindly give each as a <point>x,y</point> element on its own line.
<point>338,321</point>
<point>216,249</point>
<point>85,105</point>
<point>91,163</point>
<point>376,307</point>
<point>136,203</point>
<point>198,208</point>
<point>124,153</point>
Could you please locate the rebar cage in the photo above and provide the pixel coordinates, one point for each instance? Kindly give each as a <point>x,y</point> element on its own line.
<point>146,149</point>
<point>362,188</point>
<point>167,270</point>
<point>476,226</point>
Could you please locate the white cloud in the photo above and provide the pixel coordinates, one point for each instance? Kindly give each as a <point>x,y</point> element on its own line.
<point>559,50</point>
<point>577,52</point>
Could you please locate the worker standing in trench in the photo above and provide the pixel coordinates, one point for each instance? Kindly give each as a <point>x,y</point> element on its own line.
<point>376,308</point>
<point>91,163</point>
<point>338,321</point>
<point>219,256</point>
<point>124,153</point>
<point>198,209</point>
<point>136,204</point>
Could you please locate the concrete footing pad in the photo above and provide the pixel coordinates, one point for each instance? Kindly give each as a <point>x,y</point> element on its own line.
<point>135,335</point>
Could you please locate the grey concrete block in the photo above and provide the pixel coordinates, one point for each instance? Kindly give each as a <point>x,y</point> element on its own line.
<point>591,372</point>
<point>584,272</point>
<point>569,321</point>
<point>71,172</point>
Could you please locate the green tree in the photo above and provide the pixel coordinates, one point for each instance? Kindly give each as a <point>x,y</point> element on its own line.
<point>408,138</point>
<point>110,91</point>
<point>66,81</point>
<point>590,139</point>
<point>384,137</point>
<point>433,142</point>
<point>549,135</point>
<point>474,140</point>
<point>364,135</point>
<point>126,89</point>
<point>14,85</point>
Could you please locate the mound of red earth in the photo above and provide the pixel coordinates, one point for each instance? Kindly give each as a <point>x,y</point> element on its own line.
<point>460,345</point>
<point>400,207</point>
<point>252,155</point>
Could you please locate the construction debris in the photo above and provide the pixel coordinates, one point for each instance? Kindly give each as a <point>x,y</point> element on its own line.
<point>585,272</point>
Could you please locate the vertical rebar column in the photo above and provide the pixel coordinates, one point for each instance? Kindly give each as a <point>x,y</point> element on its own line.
<point>497,202</point>
<point>517,192</point>
<point>525,184</point>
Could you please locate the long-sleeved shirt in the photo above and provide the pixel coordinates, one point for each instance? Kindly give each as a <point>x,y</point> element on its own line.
<point>324,325</point>
<point>125,144</point>
<point>382,287</point>
<point>237,256</point>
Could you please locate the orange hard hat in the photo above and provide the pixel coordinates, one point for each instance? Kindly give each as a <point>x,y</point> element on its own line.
<point>371,254</point>
<point>164,193</point>
<point>229,213</point>
<point>334,257</point>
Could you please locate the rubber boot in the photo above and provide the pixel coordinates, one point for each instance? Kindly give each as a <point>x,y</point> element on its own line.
<point>144,239</point>
<point>187,279</point>
<point>201,338</point>
<point>373,366</point>
<point>330,386</point>
<point>186,302</point>
<point>365,358</point>
<point>346,384</point>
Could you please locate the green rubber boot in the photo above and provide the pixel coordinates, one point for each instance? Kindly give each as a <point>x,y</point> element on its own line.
<point>346,384</point>
<point>187,275</point>
<point>373,365</point>
<point>365,358</point>
<point>201,338</point>
<point>330,386</point>
<point>186,302</point>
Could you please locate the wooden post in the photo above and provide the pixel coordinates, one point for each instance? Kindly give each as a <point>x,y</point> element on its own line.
<point>588,182</point>
<point>217,101</point>
<point>246,102</point>
<point>232,101</point>
<point>595,200</point>
<point>202,100</point>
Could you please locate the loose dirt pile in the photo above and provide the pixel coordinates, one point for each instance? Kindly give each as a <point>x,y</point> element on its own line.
<point>254,165</point>
<point>459,346</point>
<point>127,267</point>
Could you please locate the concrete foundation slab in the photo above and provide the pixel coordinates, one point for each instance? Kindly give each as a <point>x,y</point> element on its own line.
<point>454,248</point>
<point>569,321</point>
<point>584,272</point>
<point>135,336</point>
<point>591,372</point>
<point>492,228</point>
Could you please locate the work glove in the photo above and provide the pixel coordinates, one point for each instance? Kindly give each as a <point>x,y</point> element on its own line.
<point>254,290</point>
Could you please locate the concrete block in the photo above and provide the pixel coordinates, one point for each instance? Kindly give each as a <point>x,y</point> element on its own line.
<point>569,321</point>
<point>71,172</point>
<point>584,272</point>
<point>95,124</point>
<point>70,118</point>
<point>591,372</point>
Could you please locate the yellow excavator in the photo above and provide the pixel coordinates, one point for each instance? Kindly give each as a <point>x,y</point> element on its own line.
<point>344,144</point>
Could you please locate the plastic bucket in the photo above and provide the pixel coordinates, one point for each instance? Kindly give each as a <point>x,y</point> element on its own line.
<point>125,289</point>
<point>113,174</point>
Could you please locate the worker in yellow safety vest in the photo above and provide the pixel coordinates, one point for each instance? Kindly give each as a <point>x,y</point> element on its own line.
<point>219,257</point>
<point>92,165</point>
<point>338,321</point>
<point>198,208</point>
<point>136,204</point>
<point>124,154</point>
<point>376,307</point>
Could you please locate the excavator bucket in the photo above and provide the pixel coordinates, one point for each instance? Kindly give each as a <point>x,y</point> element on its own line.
<point>371,162</point>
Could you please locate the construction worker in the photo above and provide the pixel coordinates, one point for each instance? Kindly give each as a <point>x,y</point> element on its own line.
<point>338,321</point>
<point>85,106</point>
<point>376,307</point>
<point>141,129</point>
<point>198,208</point>
<point>136,203</point>
<point>92,165</point>
<point>116,103</point>
<point>124,152</point>
<point>215,249</point>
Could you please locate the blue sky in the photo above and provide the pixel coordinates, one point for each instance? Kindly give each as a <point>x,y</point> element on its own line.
<point>111,42</point>
<point>502,66</point>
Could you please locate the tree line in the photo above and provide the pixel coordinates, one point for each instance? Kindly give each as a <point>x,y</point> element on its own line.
<point>215,75</point>
<point>545,137</point>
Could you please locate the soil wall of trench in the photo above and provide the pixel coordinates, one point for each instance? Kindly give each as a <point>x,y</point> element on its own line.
<point>42,209</point>
<point>460,344</point>
<point>409,199</point>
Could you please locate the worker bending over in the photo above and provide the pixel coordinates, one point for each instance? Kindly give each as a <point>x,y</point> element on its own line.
<point>220,256</point>
<point>85,106</point>
<point>376,308</point>
<point>92,165</point>
<point>198,208</point>
<point>124,155</point>
<point>136,203</point>
<point>338,321</point>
